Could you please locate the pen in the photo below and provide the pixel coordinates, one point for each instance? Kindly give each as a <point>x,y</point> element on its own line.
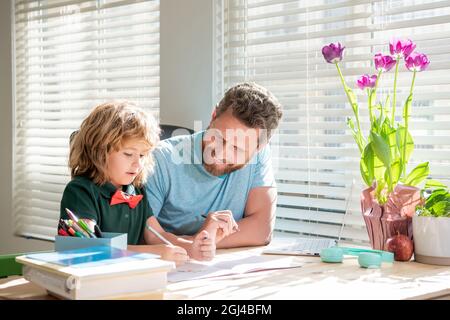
<point>82,227</point>
<point>97,231</point>
<point>86,228</point>
<point>71,232</point>
<point>78,229</point>
<point>79,234</point>
<point>156,233</point>
<point>62,225</point>
<point>66,228</point>
<point>71,215</point>
<point>61,232</point>
<point>74,233</point>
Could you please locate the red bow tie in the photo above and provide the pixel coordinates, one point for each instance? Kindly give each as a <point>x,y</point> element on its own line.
<point>121,197</point>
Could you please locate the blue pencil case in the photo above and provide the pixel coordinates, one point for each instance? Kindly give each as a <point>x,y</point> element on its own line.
<point>110,239</point>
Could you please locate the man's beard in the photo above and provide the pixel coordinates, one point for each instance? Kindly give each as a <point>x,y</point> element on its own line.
<point>215,171</point>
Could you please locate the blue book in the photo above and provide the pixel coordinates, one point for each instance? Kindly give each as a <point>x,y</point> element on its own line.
<point>91,257</point>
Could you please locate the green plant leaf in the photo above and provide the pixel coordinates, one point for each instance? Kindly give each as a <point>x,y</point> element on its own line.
<point>382,151</point>
<point>374,126</point>
<point>379,195</point>
<point>357,136</point>
<point>366,164</point>
<point>352,99</point>
<point>432,184</point>
<point>389,134</point>
<point>407,106</point>
<point>421,211</point>
<point>372,95</point>
<point>381,148</point>
<point>365,173</point>
<point>400,137</point>
<point>380,119</point>
<point>440,208</point>
<point>387,107</point>
<point>418,174</point>
<point>396,172</point>
<point>351,124</point>
<point>379,169</point>
<point>436,205</point>
<point>435,197</point>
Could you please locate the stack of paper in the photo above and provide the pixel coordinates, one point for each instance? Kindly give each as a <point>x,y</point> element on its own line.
<point>232,263</point>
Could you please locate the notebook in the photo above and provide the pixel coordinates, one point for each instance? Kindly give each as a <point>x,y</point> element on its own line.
<point>299,246</point>
<point>91,257</point>
<point>96,272</point>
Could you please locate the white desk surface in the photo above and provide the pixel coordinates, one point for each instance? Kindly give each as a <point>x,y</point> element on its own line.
<point>314,280</point>
<point>318,280</point>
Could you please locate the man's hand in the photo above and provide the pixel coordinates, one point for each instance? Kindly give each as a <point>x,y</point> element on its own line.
<point>220,224</point>
<point>257,224</point>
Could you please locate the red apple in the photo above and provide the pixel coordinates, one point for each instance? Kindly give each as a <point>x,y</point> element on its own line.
<point>401,246</point>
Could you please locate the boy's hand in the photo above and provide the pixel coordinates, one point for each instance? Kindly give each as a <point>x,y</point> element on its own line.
<point>175,254</point>
<point>203,247</point>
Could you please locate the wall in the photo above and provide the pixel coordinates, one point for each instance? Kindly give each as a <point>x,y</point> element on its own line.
<point>186,62</point>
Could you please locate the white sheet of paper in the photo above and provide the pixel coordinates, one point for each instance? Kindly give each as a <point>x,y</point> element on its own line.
<point>231,264</point>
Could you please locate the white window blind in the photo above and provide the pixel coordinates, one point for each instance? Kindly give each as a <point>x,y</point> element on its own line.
<point>278,44</point>
<point>71,55</point>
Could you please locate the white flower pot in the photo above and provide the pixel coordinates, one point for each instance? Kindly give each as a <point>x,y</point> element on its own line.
<point>431,240</point>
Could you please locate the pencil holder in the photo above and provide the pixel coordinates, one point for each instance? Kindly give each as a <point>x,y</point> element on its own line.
<point>111,239</point>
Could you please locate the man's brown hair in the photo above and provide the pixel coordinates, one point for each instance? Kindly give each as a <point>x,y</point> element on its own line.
<point>253,105</point>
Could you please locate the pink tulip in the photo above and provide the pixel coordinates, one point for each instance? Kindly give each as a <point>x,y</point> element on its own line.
<point>383,63</point>
<point>417,62</point>
<point>401,47</point>
<point>333,53</point>
<point>366,81</point>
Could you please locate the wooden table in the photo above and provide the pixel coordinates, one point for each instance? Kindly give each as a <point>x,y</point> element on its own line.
<point>314,280</point>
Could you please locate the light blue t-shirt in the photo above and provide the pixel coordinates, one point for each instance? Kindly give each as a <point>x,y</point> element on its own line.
<point>180,190</point>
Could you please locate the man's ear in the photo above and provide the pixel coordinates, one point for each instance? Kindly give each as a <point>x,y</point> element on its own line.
<point>214,114</point>
<point>263,140</point>
<point>261,146</point>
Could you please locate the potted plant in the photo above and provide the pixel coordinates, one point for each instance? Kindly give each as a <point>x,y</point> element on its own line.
<point>389,201</point>
<point>431,226</point>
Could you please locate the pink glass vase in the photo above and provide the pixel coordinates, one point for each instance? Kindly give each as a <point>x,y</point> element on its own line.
<point>392,218</point>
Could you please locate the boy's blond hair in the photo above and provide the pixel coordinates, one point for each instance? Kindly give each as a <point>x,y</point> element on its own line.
<point>103,131</point>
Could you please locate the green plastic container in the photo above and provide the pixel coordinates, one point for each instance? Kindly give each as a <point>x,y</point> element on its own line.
<point>9,266</point>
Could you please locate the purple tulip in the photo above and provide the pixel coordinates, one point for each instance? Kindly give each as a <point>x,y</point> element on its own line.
<point>417,62</point>
<point>401,47</point>
<point>366,81</point>
<point>333,53</point>
<point>383,63</point>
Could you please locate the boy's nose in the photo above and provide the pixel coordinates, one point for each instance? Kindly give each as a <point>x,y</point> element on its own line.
<point>137,163</point>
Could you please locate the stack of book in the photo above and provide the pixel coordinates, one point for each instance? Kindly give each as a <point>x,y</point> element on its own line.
<point>97,273</point>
